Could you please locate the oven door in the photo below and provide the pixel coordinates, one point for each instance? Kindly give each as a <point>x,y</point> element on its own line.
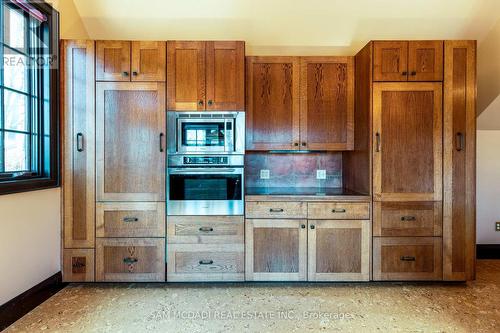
<point>205,135</point>
<point>205,191</point>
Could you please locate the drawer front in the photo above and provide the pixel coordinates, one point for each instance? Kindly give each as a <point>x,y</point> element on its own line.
<point>205,229</point>
<point>130,260</point>
<point>78,265</point>
<point>338,211</point>
<point>407,258</point>
<point>130,219</point>
<point>407,219</point>
<point>275,209</point>
<point>209,262</point>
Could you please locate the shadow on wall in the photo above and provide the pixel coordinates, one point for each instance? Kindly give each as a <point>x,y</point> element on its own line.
<point>488,71</point>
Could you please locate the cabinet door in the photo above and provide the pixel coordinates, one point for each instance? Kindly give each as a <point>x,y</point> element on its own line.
<point>130,127</point>
<point>148,61</point>
<point>390,61</point>
<point>327,103</point>
<point>272,103</point>
<point>186,75</point>
<point>425,60</point>
<point>339,250</point>
<point>407,143</point>
<point>275,250</point>
<point>78,136</point>
<point>112,60</point>
<point>459,223</point>
<point>225,75</point>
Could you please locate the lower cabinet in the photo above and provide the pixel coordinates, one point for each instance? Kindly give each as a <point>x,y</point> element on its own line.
<point>130,259</point>
<point>78,265</point>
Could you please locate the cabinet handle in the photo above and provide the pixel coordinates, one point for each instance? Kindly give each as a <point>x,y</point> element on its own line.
<point>408,218</point>
<point>413,73</point>
<point>130,260</point>
<point>161,142</point>
<point>377,142</point>
<point>340,210</point>
<point>200,102</point>
<point>313,227</point>
<point>296,144</point>
<point>130,219</point>
<point>459,141</point>
<point>404,73</point>
<point>276,210</point>
<point>407,258</point>
<point>206,229</point>
<point>125,73</point>
<point>210,102</point>
<point>303,226</point>
<point>134,73</point>
<point>304,144</point>
<point>79,142</point>
<point>206,262</point>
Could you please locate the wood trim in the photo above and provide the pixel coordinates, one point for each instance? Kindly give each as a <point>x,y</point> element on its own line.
<point>137,46</point>
<point>69,143</point>
<point>308,198</point>
<point>378,88</point>
<point>470,94</point>
<point>488,251</point>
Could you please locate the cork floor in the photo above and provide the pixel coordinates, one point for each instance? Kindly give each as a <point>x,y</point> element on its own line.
<point>276,307</point>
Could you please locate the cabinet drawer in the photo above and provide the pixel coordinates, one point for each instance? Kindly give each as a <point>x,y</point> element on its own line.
<point>276,209</point>
<point>407,258</point>
<point>130,259</point>
<point>338,211</point>
<point>205,229</point>
<point>209,262</point>
<point>407,219</point>
<point>130,219</point>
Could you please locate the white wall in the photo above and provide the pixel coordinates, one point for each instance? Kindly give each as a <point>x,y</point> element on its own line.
<point>488,186</point>
<point>30,240</point>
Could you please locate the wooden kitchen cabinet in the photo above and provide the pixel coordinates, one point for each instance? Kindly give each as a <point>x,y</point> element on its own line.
<point>407,141</point>
<point>205,75</point>
<point>78,265</point>
<point>130,61</point>
<point>390,61</point>
<point>130,141</point>
<point>78,139</point>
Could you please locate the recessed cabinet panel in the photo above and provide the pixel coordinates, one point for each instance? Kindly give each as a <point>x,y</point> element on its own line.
<point>112,60</point>
<point>148,61</point>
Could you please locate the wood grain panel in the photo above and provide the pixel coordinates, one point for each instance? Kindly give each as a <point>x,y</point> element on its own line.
<point>327,103</point>
<point>277,209</point>
<point>78,133</point>
<point>459,223</point>
<point>130,163</point>
<point>112,60</point>
<point>272,85</point>
<point>205,229</point>
<point>78,265</point>
<point>390,61</point>
<point>339,250</point>
<point>148,61</point>
<point>407,218</point>
<point>407,145</point>
<point>186,75</point>
<point>338,211</point>
<point>225,72</point>
<point>425,60</point>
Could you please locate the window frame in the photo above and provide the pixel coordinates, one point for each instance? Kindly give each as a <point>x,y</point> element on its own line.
<point>52,180</point>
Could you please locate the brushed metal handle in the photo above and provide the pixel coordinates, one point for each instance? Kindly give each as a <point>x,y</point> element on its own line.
<point>206,262</point>
<point>130,219</point>
<point>459,141</point>
<point>125,73</point>
<point>161,142</point>
<point>377,142</point>
<point>407,258</point>
<point>206,229</point>
<point>79,142</point>
<point>340,210</point>
<point>276,210</point>
<point>130,260</point>
<point>408,218</point>
<point>313,227</point>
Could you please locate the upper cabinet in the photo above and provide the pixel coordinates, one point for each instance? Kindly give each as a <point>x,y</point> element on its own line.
<point>130,61</point>
<point>205,75</point>
<point>300,103</point>
<point>408,61</point>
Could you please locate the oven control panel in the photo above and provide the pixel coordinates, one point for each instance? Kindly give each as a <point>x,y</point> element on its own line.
<point>212,160</point>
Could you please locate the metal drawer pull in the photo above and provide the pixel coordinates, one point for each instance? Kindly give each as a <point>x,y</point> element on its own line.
<point>407,258</point>
<point>130,260</point>
<point>459,142</point>
<point>340,210</point>
<point>408,218</point>
<point>276,210</point>
<point>206,229</point>
<point>303,226</point>
<point>130,219</point>
<point>161,142</point>
<point>404,73</point>
<point>125,73</point>
<point>79,142</point>
<point>206,262</point>
<point>377,142</point>
<point>313,227</point>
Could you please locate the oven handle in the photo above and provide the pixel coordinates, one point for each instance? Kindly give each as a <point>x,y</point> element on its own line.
<point>205,170</point>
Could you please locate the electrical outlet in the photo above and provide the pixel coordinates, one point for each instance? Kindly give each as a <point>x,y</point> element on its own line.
<point>265,174</point>
<point>497,226</point>
<point>320,174</point>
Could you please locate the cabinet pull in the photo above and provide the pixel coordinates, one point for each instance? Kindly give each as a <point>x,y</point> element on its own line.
<point>404,73</point>
<point>296,144</point>
<point>339,210</point>
<point>206,262</point>
<point>408,218</point>
<point>130,219</point>
<point>276,210</point>
<point>304,144</point>
<point>130,260</point>
<point>200,102</point>
<point>161,142</point>
<point>125,73</point>
<point>79,142</point>
<point>407,258</point>
<point>206,229</point>
<point>459,141</point>
<point>303,226</point>
<point>377,142</point>
<point>413,73</point>
<point>313,227</point>
<point>134,73</point>
<point>210,102</point>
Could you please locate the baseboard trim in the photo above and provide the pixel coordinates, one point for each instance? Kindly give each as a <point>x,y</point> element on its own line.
<point>30,299</point>
<point>488,251</point>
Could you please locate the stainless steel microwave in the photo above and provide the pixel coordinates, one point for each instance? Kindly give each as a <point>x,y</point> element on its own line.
<point>218,132</point>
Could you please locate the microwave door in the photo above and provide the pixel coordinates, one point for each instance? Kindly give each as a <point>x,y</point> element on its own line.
<point>200,135</point>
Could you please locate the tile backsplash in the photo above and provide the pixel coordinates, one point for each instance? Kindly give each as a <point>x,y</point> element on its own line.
<point>297,170</point>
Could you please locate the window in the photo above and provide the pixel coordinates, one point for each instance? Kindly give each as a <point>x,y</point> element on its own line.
<point>29,111</point>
